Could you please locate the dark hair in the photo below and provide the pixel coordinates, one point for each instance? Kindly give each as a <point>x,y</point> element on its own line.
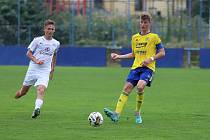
<point>145,16</point>
<point>49,22</point>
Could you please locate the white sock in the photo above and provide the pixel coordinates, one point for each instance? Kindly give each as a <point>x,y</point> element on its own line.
<point>38,103</point>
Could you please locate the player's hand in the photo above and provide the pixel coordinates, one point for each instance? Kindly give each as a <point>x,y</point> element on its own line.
<point>39,62</point>
<point>114,56</point>
<point>147,61</point>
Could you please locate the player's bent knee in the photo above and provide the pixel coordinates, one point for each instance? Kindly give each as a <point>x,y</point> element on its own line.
<point>127,90</point>
<point>41,89</point>
<point>140,88</point>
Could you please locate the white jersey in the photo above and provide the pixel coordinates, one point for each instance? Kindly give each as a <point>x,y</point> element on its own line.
<point>43,50</point>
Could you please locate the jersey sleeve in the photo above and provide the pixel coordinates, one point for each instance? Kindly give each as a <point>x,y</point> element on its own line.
<point>58,46</point>
<point>132,44</point>
<point>158,43</point>
<point>32,46</point>
<point>157,40</point>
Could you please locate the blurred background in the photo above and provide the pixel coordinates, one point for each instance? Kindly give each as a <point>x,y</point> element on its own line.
<point>181,24</point>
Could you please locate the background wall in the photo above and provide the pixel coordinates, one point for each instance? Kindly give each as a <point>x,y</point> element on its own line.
<point>97,56</point>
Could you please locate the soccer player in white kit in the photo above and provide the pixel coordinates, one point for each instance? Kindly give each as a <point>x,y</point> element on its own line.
<point>42,52</point>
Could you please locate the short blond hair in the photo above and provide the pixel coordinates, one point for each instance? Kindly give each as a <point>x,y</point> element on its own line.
<point>145,16</point>
<point>49,22</point>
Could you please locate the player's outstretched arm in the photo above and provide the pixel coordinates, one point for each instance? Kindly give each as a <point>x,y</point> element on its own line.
<point>115,56</point>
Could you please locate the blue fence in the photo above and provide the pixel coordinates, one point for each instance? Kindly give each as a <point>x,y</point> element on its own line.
<point>73,56</point>
<point>204,58</point>
<point>96,56</point>
<point>10,55</point>
<point>174,58</point>
<point>69,56</point>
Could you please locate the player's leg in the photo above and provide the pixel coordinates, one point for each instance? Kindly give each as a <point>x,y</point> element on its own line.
<point>114,115</point>
<point>123,97</point>
<point>41,85</point>
<point>144,80</point>
<point>128,87</point>
<point>23,90</point>
<point>139,99</point>
<point>40,96</point>
<point>39,100</point>
<point>28,81</point>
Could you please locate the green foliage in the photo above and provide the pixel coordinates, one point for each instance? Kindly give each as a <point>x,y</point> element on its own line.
<point>32,14</point>
<point>102,28</point>
<point>205,9</point>
<point>7,16</point>
<point>8,10</point>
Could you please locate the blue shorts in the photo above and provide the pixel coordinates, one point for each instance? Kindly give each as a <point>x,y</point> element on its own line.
<point>141,73</point>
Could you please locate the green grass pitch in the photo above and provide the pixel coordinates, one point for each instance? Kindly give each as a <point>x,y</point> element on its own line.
<point>176,107</point>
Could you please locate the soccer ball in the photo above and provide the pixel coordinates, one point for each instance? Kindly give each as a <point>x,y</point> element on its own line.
<point>95,119</point>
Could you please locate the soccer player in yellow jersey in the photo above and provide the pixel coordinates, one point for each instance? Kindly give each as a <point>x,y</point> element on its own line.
<point>146,49</point>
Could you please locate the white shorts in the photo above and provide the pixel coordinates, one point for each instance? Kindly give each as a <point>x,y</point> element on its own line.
<point>36,78</point>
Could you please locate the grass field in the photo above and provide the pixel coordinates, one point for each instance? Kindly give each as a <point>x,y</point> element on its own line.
<point>176,107</point>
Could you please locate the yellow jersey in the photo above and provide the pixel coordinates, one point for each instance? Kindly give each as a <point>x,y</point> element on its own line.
<point>143,47</point>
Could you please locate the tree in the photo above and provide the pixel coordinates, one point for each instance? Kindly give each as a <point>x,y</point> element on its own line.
<point>32,13</point>
<point>204,4</point>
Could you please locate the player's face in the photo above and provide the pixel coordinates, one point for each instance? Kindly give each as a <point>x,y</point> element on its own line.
<point>49,30</point>
<point>145,25</point>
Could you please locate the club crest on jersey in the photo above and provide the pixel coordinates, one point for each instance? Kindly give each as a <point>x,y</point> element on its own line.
<point>47,49</point>
<point>146,39</point>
